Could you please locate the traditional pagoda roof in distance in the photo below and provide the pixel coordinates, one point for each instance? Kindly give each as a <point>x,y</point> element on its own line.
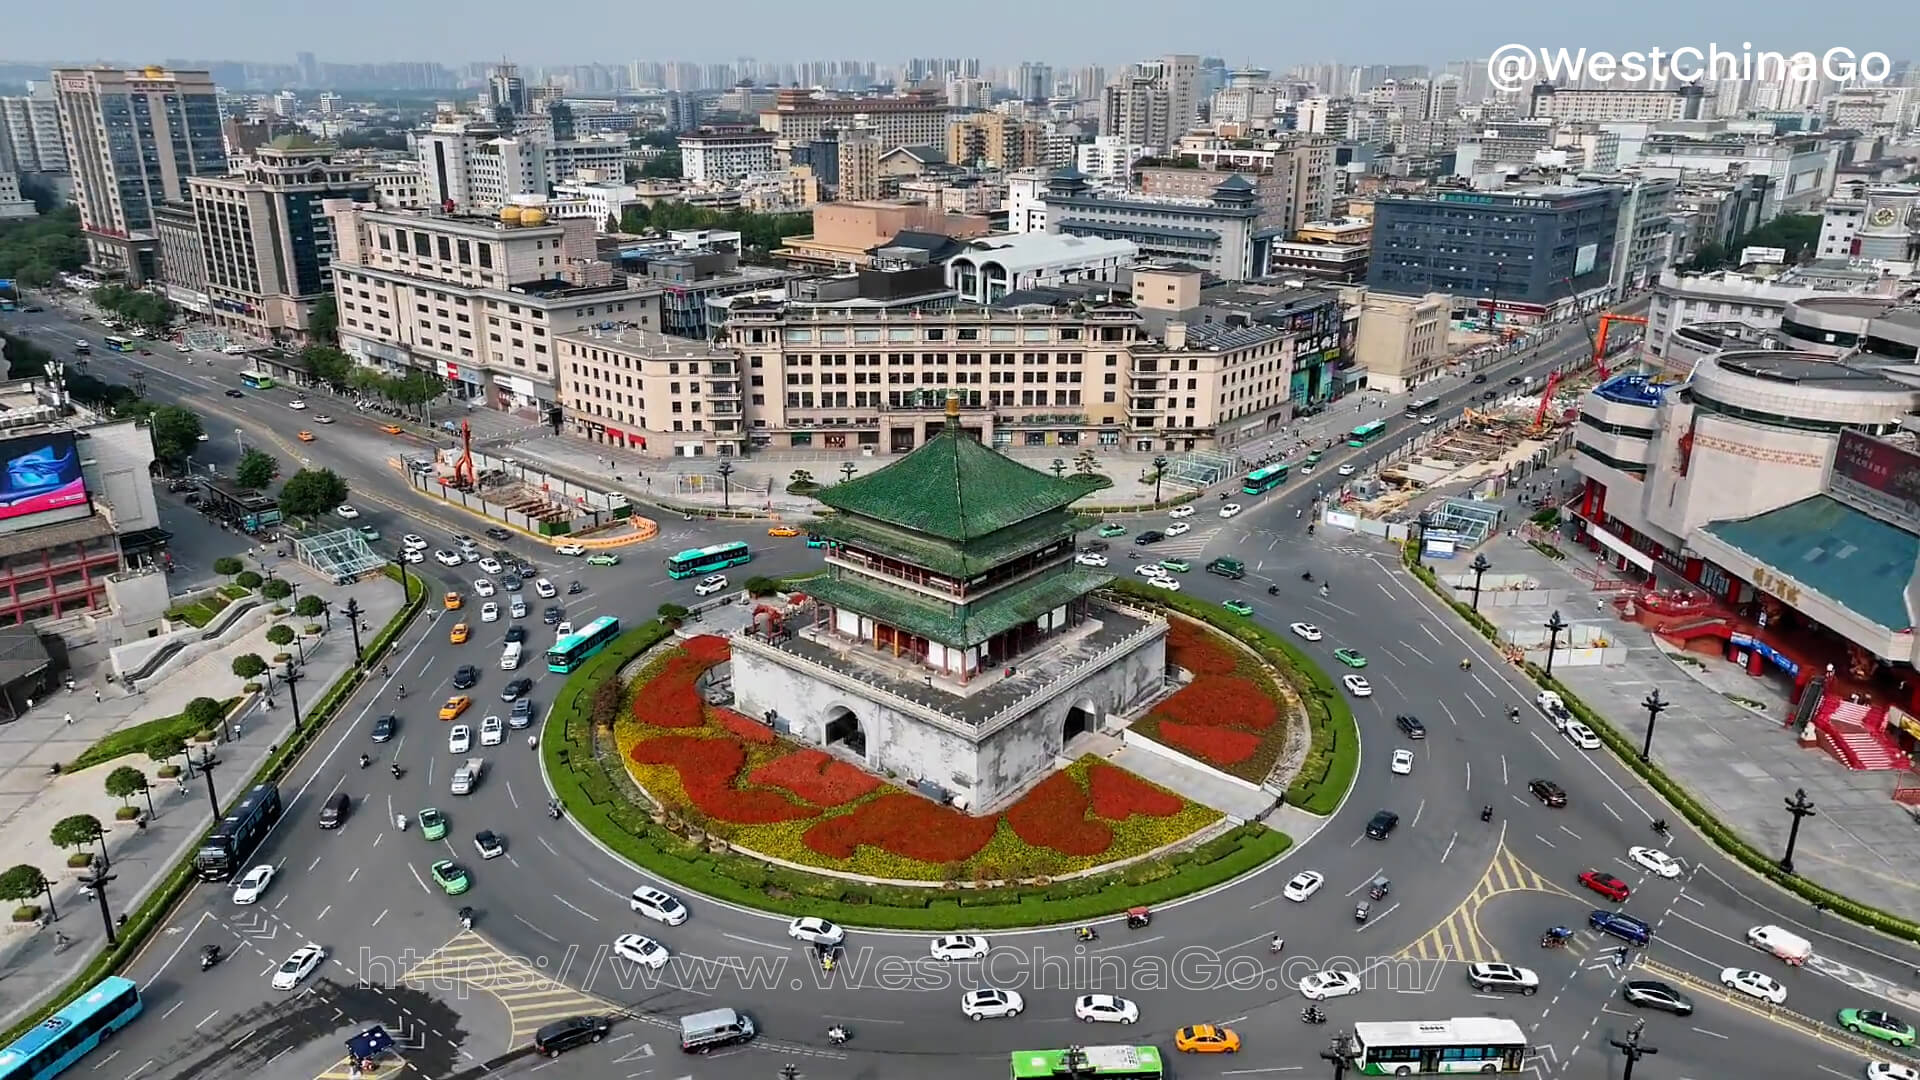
<point>953,488</point>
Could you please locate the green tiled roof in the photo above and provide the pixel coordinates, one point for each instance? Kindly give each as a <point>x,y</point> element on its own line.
<point>1835,550</point>
<point>952,488</point>
<point>959,561</point>
<point>949,625</point>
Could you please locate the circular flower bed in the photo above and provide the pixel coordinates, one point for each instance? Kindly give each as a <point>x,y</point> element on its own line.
<point>1230,716</point>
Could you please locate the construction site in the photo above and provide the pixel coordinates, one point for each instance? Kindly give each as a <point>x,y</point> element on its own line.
<point>506,490</point>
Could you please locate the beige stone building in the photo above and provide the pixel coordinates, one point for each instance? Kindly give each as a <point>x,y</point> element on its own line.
<point>1402,340</point>
<point>914,118</point>
<point>996,140</point>
<point>844,233</point>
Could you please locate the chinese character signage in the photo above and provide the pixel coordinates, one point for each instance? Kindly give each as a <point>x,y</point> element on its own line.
<point>1878,478</point>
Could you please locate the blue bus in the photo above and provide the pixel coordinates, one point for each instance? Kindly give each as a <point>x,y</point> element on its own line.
<point>1367,432</point>
<point>707,560</point>
<point>62,1039</point>
<point>238,833</point>
<point>1264,480</point>
<point>572,651</point>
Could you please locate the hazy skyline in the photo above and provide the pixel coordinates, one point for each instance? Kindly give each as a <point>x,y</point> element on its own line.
<point>1000,32</point>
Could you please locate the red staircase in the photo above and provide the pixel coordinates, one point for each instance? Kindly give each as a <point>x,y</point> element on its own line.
<point>1853,734</point>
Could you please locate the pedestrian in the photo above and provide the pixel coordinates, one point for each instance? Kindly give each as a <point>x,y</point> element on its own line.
<point>96,697</point>
<point>69,718</point>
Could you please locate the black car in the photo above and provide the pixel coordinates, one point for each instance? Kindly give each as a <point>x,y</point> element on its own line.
<point>1490,395</point>
<point>466,676</point>
<point>1652,994</point>
<point>1479,378</point>
<point>498,533</point>
<point>1514,381</point>
<point>511,584</point>
<point>528,571</point>
<point>516,632</point>
<point>384,727</point>
<point>516,689</point>
<point>1412,726</point>
<point>33,309</point>
<point>235,393</point>
<point>1547,792</point>
<point>566,1034</point>
<point>1095,545</point>
<point>552,616</point>
<point>522,714</point>
<point>1151,536</point>
<point>1383,824</point>
<point>335,811</point>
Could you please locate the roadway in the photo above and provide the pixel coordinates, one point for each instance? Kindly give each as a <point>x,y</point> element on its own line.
<point>1462,890</point>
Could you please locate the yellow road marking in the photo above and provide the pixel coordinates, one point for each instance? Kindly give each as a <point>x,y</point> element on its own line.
<point>1458,936</point>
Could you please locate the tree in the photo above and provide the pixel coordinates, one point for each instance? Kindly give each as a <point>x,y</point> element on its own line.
<point>33,250</point>
<point>762,586</point>
<point>256,470</point>
<point>327,364</point>
<point>277,589</point>
<point>1085,463</point>
<point>323,322</point>
<point>310,607</point>
<point>25,360</point>
<point>125,782</point>
<point>176,433</point>
<point>164,747</point>
<point>248,579</point>
<point>227,566</point>
<point>249,666</point>
<point>23,882</point>
<point>665,167</point>
<point>312,492</point>
<point>280,634</point>
<point>205,713</point>
<point>76,831</point>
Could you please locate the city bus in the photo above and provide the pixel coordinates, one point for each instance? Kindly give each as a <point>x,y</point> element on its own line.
<point>61,1040</point>
<point>1260,481</point>
<point>256,380</point>
<point>1103,1062</point>
<point>1367,432</point>
<point>1416,407</point>
<point>119,344</point>
<point>707,560</point>
<point>1467,1044</point>
<point>572,651</point>
<point>238,833</point>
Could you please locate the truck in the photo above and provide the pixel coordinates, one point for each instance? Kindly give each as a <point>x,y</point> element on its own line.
<point>1555,708</point>
<point>1782,943</point>
<point>467,775</point>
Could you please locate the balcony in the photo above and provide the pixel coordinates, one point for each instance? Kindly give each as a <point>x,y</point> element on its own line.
<point>723,390</point>
<point>723,408</point>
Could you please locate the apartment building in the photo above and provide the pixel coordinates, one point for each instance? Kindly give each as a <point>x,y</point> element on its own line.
<point>996,141</point>
<point>477,300</point>
<point>1026,201</point>
<point>638,389</point>
<point>1294,175</point>
<point>30,131</point>
<point>1152,103</point>
<point>1108,159</point>
<point>474,166</point>
<point>1801,169</point>
<point>1601,106</point>
<point>715,155</point>
<point>397,186</point>
<point>914,118</point>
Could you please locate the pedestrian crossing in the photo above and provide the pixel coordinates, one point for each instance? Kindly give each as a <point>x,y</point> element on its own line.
<point>1184,546</point>
<point>1458,937</point>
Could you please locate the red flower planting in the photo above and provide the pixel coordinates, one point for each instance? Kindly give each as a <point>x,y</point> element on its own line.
<point>1222,701</point>
<point>904,825</point>
<point>709,649</point>
<point>670,700</point>
<point>748,729</point>
<point>816,777</point>
<point>1214,745</point>
<point>1054,815</point>
<point>707,769</point>
<point>1118,794</point>
<point>1197,650</point>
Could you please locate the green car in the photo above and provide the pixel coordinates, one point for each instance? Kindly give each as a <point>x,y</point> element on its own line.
<point>451,877</point>
<point>1178,566</point>
<point>1878,1024</point>
<point>1350,658</point>
<point>433,824</point>
<point>369,532</point>
<point>603,560</point>
<point>1110,529</point>
<point>1240,608</point>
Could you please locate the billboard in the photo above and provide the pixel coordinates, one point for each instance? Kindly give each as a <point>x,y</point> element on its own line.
<point>1584,258</point>
<point>1877,478</point>
<point>1757,255</point>
<point>42,483</point>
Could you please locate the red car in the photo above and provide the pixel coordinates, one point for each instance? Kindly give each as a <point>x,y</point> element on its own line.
<point>1605,884</point>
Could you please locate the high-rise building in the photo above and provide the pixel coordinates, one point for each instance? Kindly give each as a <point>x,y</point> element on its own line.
<point>1526,252</point>
<point>914,118</point>
<point>1603,106</point>
<point>720,154</point>
<point>30,132</point>
<point>507,90</point>
<point>996,140</point>
<point>859,165</point>
<point>1033,82</point>
<point>12,203</point>
<point>1153,103</point>
<point>133,138</point>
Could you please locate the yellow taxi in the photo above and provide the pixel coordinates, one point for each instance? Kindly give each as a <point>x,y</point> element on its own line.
<point>783,530</point>
<point>455,705</point>
<point>391,429</point>
<point>458,635</point>
<point>1206,1039</point>
<point>306,436</point>
<point>455,601</point>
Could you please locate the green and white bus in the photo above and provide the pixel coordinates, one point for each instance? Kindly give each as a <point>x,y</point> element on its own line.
<point>572,651</point>
<point>1367,432</point>
<point>1264,480</point>
<point>707,560</point>
<point>256,380</point>
<point>1102,1062</point>
<point>1466,1044</point>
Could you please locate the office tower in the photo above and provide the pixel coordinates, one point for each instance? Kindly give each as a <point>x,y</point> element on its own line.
<point>30,131</point>
<point>507,90</point>
<point>1033,82</point>
<point>309,69</point>
<point>1153,103</point>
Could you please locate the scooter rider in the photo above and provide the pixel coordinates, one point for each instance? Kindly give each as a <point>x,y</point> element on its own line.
<point>837,1035</point>
<point>1278,943</point>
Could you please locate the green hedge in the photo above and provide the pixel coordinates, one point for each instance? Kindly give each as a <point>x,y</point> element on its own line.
<point>1676,796</point>
<point>136,739</point>
<point>1135,508</point>
<point>153,912</point>
<point>600,804</point>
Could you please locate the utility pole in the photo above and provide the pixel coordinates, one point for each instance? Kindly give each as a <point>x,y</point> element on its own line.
<point>1632,1049</point>
<point>353,620</point>
<point>97,881</point>
<point>1801,808</point>
<point>1340,1052</point>
<point>207,762</point>
<point>291,677</point>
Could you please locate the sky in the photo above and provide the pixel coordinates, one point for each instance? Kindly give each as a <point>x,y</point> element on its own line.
<point>1274,34</point>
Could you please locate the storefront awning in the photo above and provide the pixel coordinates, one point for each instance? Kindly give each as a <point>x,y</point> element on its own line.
<point>1620,547</point>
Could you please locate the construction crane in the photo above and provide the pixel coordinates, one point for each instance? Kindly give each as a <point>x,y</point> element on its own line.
<point>1539,424</point>
<point>1600,343</point>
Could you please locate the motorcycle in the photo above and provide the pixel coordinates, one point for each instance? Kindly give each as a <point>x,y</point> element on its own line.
<point>1312,1015</point>
<point>1086,933</point>
<point>1555,938</point>
<point>209,956</point>
<point>400,822</point>
<point>1486,813</point>
<point>1466,665</point>
<point>553,809</point>
<point>401,693</point>
<point>838,1035</point>
<point>365,761</point>
<point>397,771</point>
<point>1306,575</point>
<point>575,587</point>
<point>1273,590</point>
<point>466,918</point>
<point>1660,826</point>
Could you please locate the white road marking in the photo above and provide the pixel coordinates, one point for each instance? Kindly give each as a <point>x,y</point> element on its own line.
<point>418,878</point>
<point>1704,1031</point>
<point>170,1012</point>
<point>1130,944</point>
<point>756,941</point>
<point>1449,851</point>
<point>1417,811</point>
<point>138,1071</point>
<point>1362,928</point>
<point>1503,770</point>
<point>1545,841</point>
<point>536,929</point>
<point>203,1023</point>
<point>1569,832</point>
<point>1367,881</point>
<point>1615,813</point>
<point>1469,776</point>
<point>1543,745</point>
<point>582,911</point>
<point>377,918</point>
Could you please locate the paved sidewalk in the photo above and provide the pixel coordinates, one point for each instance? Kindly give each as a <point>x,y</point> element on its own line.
<point>31,800</point>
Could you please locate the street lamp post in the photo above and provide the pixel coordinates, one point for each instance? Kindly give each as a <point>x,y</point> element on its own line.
<point>1801,808</point>
<point>1420,545</point>
<point>46,886</point>
<point>1159,472</point>
<point>97,881</point>
<point>292,678</point>
<point>1059,468</point>
<point>1632,1049</point>
<point>353,614</point>
<point>1555,624</point>
<point>1655,705</point>
<point>405,588</point>
<point>1340,1052</point>
<point>1479,566</point>
<point>207,762</point>
<point>726,485</point>
<point>846,471</point>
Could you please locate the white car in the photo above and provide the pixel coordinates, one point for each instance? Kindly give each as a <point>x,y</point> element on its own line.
<point>491,565</point>
<point>492,731</point>
<point>483,586</point>
<point>412,556</point>
<point>991,1004</point>
<point>1655,861</point>
<point>562,630</point>
<point>1581,736</point>
<point>545,590</point>
<point>298,966</point>
<point>658,905</point>
<point>413,542</point>
<point>1322,985</point>
<point>1304,884</point>
<point>641,949</point>
<point>815,931</point>
<point>710,585</point>
<point>1891,1070</point>
<point>1150,570</point>
<point>570,549</point>
<point>1357,686</point>
<point>460,739</point>
<point>1090,558</point>
<point>1426,421</point>
<point>296,403</point>
<point>1307,469</point>
<point>1104,1009</point>
<point>1166,583</point>
<point>1402,762</point>
<point>489,612</point>
<point>250,888</point>
<point>1181,512</point>
<point>469,554</point>
<point>446,558</point>
<point>1179,528</point>
<point>346,511</point>
<point>1345,470</point>
<point>1753,984</point>
<point>321,419</point>
<point>1229,510</point>
<point>1505,978</point>
<point>1307,631</point>
<point>960,947</point>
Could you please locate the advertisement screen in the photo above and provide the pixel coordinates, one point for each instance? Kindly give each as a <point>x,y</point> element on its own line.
<point>1879,478</point>
<point>1584,259</point>
<point>42,482</point>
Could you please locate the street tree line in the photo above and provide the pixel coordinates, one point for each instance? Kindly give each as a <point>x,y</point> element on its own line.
<point>149,313</point>
<point>34,250</point>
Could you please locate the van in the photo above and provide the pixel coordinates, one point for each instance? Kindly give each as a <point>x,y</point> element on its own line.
<point>1625,927</point>
<point>519,608</point>
<point>510,656</point>
<point>704,1031</point>
<point>1784,944</point>
<point>562,1035</point>
<point>335,812</point>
